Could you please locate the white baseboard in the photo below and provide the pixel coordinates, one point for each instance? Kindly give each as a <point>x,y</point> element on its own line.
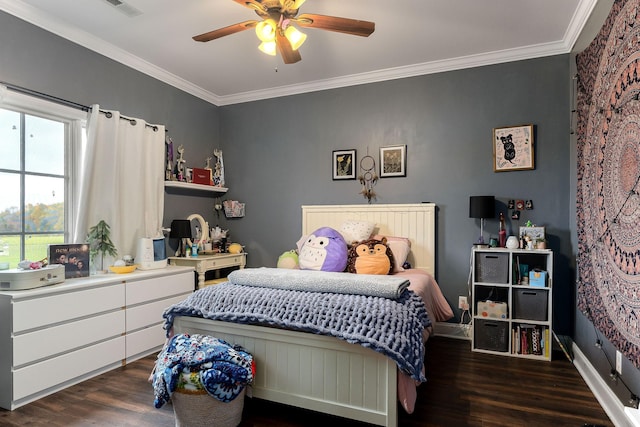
<point>453,330</point>
<point>616,411</point>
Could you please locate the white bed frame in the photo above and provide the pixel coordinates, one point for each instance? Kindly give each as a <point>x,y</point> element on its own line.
<point>323,373</point>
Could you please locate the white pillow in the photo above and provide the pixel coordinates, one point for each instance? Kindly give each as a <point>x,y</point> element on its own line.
<point>356,231</point>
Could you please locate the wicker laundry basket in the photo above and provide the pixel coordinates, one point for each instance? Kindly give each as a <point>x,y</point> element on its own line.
<point>198,409</point>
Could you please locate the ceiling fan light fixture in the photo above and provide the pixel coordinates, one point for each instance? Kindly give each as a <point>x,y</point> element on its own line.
<point>266,30</point>
<point>268,47</point>
<point>297,3</point>
<point>295,37</point>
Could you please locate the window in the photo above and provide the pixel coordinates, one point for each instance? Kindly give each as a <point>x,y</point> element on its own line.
<point>39,143</point>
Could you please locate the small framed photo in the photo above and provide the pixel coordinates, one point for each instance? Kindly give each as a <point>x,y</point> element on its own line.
<point>513,148</point>
<point>393,161</point>
<point>344,164</point>
<point>74,257</point>
<point>534,233</point>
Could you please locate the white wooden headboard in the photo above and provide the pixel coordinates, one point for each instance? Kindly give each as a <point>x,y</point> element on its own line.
<point>414,221</point>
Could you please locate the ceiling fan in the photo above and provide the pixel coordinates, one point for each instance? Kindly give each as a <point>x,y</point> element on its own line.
<point>276,30</point>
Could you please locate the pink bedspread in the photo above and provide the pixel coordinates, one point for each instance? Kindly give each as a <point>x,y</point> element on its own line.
<point>423,284</point>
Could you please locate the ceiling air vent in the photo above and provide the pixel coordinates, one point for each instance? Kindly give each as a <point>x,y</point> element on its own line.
<point>124,8</point>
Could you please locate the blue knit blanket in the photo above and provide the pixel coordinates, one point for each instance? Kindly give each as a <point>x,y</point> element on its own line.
<point>391,327</point>
<point>375,285</point>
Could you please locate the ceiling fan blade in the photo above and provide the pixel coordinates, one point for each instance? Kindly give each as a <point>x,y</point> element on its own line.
<point>334,23</point>
<point>221,32</point>
<point>289,56</point>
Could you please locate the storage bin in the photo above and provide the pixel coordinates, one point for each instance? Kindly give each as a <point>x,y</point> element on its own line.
<point>196,373</point>
<point>492,267</point>
<point>491,335</point>
<point>530,304</point>
<point>538,278</point>
<point>198,409</point>
<point>493,309</point>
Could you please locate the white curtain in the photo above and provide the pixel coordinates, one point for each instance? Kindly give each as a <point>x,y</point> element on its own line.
<point>122,170</point>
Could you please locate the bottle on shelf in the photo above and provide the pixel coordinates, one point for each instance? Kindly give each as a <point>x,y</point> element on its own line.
<point>502,233</point>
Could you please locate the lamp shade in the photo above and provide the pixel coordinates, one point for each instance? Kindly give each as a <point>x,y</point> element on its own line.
<point>482,207</point>
<point>180,229</point>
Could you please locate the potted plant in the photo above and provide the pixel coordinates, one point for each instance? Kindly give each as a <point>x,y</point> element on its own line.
<point>541,243</point>
<point>100,243</point>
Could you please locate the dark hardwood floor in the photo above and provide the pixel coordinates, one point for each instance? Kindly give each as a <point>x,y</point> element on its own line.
<point>463,389</point>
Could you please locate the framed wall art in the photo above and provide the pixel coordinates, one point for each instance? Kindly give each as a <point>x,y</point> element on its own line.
<point>344,162</point>
<point>513,148</point>
<point>393,161</point>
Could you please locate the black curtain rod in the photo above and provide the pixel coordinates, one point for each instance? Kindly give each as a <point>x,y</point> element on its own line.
<point>47,97</point>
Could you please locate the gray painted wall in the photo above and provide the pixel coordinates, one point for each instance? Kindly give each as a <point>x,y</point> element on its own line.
<point>278,152</point>
<point>278,157</point>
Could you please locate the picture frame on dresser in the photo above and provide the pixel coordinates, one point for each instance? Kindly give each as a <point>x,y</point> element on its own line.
<point>74,257</point>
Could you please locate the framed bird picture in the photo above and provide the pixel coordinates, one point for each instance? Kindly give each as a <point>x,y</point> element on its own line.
<point>513,148</point>
<point>344,164</point>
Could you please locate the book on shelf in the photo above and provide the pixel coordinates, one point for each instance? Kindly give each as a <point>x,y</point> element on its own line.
<point>530,339</point>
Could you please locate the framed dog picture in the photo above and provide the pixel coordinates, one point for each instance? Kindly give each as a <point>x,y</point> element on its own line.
<point>513,148</point>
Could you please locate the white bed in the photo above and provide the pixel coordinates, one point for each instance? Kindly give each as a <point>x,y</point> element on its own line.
<point>323,373</point>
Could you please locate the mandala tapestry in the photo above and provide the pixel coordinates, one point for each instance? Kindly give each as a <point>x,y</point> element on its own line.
<point>608,202</point>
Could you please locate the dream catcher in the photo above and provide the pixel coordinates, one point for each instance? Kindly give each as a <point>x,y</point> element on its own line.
<point>368,177</point>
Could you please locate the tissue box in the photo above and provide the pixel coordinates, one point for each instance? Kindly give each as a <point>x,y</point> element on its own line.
<point>538,278</point>
<point>492,309</point>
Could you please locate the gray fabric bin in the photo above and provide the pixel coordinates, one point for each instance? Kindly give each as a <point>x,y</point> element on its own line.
<point>530,304</point>
<point>492,267</point>
<point>491,335</point>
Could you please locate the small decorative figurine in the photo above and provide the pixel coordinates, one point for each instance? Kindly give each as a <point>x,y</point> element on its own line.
<point>180,169</point>
<point>218,174</point>
<point>168,173</point>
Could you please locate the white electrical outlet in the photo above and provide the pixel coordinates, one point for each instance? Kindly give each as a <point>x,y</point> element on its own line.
<point>618,362</point>
<point>462,302</point>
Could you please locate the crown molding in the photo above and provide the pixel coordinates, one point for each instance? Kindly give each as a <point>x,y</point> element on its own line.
<point>35,17</point>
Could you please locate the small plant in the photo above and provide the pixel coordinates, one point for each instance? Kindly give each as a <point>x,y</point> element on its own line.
<point>100,242</point>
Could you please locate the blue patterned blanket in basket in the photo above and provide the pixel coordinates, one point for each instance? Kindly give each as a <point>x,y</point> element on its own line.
<point>393,327</point>
<point>222,370</point>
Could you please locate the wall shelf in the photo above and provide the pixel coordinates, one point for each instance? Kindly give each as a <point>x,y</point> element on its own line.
<point>192,186</point>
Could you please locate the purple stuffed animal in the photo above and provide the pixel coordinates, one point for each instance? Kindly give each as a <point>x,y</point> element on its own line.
<point>325,249</point>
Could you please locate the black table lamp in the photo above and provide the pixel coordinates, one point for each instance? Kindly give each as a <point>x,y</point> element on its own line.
<point>181,229</point>
<point>482,207</point>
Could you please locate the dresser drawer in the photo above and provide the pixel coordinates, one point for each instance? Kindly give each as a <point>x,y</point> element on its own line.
<point>39,312</point>
<point>157,288</point>
<point>67,367</point>
<point>63,338</point>
<point>144,315</point>
<point>223,261</point>
<point>145,341</point>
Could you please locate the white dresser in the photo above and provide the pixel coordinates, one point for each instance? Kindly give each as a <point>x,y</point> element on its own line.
<point>59,335</point>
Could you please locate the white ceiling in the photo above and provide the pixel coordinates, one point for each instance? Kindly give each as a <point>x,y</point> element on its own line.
<point>412,37</point>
